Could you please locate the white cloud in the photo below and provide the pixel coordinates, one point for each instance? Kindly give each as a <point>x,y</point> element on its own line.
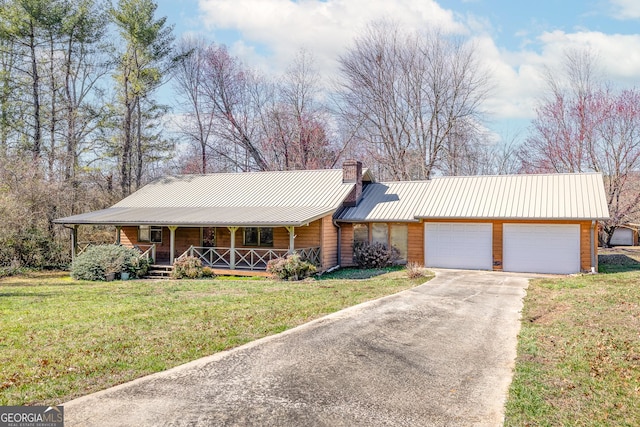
<point>518,75</point>
<point>325,28</point>
<point>271,32</point>
<point>618,55</point>
<point>626,9</point>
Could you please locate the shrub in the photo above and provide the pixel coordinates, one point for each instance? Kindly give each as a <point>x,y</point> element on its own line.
<point>374,255</point>
<point>208,272</point>
<point>189,267</point>
<point>31,248</point>
<point>12,270</point>
<point>291,267</point>
<point>415,270</point>
<point>98,261</point>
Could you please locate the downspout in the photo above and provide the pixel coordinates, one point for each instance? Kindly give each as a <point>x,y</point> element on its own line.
<point>593,250</point>
<point>333,220</point>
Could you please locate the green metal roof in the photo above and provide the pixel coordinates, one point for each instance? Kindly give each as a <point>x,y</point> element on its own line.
<point>299,197</point>
<point>544,197</point>
<point>225,199</point>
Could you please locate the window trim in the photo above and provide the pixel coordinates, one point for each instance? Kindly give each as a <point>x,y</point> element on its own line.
<point>259,242</point>
<point>151,229</point>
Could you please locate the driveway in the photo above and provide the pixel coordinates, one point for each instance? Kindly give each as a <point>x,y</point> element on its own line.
<point>439,354</point>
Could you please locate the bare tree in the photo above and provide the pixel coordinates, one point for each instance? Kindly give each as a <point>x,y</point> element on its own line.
<point>296,123</point>
<point>196,121</point>
<point>235,96</point>
<point>584,126</point>
<point>408,94</point>
<point>264,124</point>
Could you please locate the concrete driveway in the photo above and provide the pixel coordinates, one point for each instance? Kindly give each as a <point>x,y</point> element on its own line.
<point>439,354</point>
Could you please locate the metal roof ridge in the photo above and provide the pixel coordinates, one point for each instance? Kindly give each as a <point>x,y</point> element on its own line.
<point>512,175</point>
<point>246,173</point>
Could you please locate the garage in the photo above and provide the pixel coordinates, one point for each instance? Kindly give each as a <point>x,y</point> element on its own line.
<point>541,248</point>
<point>458,245</point>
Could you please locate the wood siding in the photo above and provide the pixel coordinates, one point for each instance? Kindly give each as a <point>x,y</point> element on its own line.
<point>329,243</point>
<point>416,243</point>
<point>129,236</point>
<point>307,236</point>
<point>346,245</point>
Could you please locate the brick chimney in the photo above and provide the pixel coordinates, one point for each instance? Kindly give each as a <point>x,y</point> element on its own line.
<point>352,173</point>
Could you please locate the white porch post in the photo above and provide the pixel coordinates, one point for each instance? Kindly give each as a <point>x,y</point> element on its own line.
<point>74,242</point>
<point>172,243</point>
<point>292,237</point>
<point>232,256</point>
<point>118,229</point>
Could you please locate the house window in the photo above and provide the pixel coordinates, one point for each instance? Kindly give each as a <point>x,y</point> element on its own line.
<point>148,233</point>
<point>258,236</point>
<point>380,233</point>
<point>390,235</point>
<point>399,239</point>
<point>360,233</point>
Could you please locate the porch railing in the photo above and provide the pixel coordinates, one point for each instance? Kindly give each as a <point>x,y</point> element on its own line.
<point>247,258</point>
<point>83,246</point>
<point>146,251</point>
<point>312,254</point>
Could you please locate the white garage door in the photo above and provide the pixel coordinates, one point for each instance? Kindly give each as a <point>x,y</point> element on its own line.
<point>458,245</point>
<point>622,237</point>
<point>541,248</point>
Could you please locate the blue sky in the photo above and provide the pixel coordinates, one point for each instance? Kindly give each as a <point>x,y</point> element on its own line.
<point>515,39</point>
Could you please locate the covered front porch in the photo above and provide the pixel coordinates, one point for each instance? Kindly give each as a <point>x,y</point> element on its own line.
<point>248,258</point>
<point>229,248</point>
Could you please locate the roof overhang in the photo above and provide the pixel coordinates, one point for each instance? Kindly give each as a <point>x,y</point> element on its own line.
<point>363,220</point>
<point>510,218</point>
<point>202,217</point>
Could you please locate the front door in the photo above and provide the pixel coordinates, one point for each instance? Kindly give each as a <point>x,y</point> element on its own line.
<point>208,237</point>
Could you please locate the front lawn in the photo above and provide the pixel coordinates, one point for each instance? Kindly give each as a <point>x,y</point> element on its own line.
<point>60,338</point>
<point>578,358</point>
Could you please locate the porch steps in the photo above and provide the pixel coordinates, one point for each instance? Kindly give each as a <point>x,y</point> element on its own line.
<point>159,272</point>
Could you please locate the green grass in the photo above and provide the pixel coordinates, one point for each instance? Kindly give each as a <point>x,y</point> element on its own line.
<point>579,352</point>
<point>60,338</point>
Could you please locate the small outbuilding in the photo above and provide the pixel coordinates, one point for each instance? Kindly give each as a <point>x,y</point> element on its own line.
<point>625,235</point>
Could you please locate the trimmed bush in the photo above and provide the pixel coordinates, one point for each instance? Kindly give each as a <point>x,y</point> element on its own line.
<point>291,267</point>
<point>374,255</point>
<point>188,267</point>
<point>208,272</point>
<point>98,261</point>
